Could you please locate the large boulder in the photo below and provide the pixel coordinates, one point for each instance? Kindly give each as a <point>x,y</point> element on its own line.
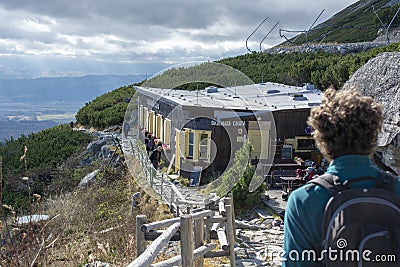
<point>107,151</point>
<point>380,78</point>
<point>88,179</point>
<point>95,146</point>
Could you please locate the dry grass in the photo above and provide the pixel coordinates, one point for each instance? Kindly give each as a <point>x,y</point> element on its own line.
<point>91,224</point>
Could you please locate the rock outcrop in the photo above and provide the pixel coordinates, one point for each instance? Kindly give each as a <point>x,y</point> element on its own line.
<point>344,49</point>
<point>380,78</point>
<point>104,147</point>
<point>88,179</point>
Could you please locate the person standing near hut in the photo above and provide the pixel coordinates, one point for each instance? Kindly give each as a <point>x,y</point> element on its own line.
<point>150,143</point>
<point>155,157</point>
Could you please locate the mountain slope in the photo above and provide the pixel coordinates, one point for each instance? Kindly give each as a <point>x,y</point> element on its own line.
<point>356,23</point>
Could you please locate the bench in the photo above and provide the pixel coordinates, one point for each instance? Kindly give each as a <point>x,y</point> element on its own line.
<point>274,179</point>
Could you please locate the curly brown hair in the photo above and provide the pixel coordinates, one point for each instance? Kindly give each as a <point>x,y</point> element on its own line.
<point>346,123</point>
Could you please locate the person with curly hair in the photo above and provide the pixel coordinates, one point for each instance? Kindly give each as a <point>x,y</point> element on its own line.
<point>345,129</point>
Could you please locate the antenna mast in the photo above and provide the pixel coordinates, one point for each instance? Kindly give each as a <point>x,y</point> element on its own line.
<point>267,35</point>
<point>254,32</point>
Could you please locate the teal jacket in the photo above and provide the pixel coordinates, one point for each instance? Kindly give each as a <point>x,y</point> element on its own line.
<point>305,209</point>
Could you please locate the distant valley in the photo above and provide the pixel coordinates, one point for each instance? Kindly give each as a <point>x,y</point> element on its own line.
<point>31,105</point>
<point>17,128</point>
<point>81,89</point>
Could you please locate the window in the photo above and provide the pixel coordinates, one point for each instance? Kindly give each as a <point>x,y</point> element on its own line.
<point>203,146</point>
<point>191,145</point>
<point>197,144</point>
<point>305,144</point>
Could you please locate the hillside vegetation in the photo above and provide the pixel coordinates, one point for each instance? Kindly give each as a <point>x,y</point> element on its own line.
<point>108,109</point>
<point>45,152</point>
<point>321,68</point>
<point>356,23</point>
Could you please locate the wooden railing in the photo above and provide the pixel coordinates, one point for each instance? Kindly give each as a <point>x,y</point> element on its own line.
<point>195,232</point>
<point>160,183</point>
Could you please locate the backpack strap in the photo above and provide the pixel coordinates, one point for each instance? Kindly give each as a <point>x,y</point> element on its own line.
<point>387,181</point>
<point>333,185</point>
<point>330,182</point>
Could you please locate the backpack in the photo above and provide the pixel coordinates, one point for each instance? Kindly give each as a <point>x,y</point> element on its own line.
<point>153,155</point>
<point>150,145</point>
<point>361,226</point>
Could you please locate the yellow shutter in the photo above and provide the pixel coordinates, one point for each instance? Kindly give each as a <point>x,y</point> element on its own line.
<point>178,154</point>
<point>145,118</point>
<point>159,126</point>
<point>196,141</point>
<point>185,142</point>
<point>152,121</point>
<point>167,132</point>
<point>141,110</point>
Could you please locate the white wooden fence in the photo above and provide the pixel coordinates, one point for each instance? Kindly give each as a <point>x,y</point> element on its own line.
<point>195,232</point>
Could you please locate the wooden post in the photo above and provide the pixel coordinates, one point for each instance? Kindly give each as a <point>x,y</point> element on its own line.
<point>221,207</point>
<point>151,176</point>
<point>199,239</point>
<point>198,252</point>
<point>162,185</point>
<point>207,234</point>
<point>230,202</point>
<point>187,241</point>
<point>171,201</point>
<point>222,239</point>
<point>149,255</point>
<point>140,236</point>
<point>230,235</point>
<point>214,230</point>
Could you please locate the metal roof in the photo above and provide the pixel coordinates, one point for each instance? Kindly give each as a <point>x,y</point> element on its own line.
<point>262,96</point>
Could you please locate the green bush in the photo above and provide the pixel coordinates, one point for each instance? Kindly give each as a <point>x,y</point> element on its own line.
<point>242,198</point>
<point>107,109</point>
<point>46,152</point>
<point>236,180</point>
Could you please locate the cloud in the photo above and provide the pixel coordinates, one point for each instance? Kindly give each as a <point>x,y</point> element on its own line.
<point>158,31</point>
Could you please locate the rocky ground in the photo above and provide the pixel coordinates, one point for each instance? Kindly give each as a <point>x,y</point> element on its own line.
<point>345,48</point>
<point>261,243</point>
<point>259,235</point>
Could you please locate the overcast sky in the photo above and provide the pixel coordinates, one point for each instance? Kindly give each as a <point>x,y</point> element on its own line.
<point>78,37</point>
